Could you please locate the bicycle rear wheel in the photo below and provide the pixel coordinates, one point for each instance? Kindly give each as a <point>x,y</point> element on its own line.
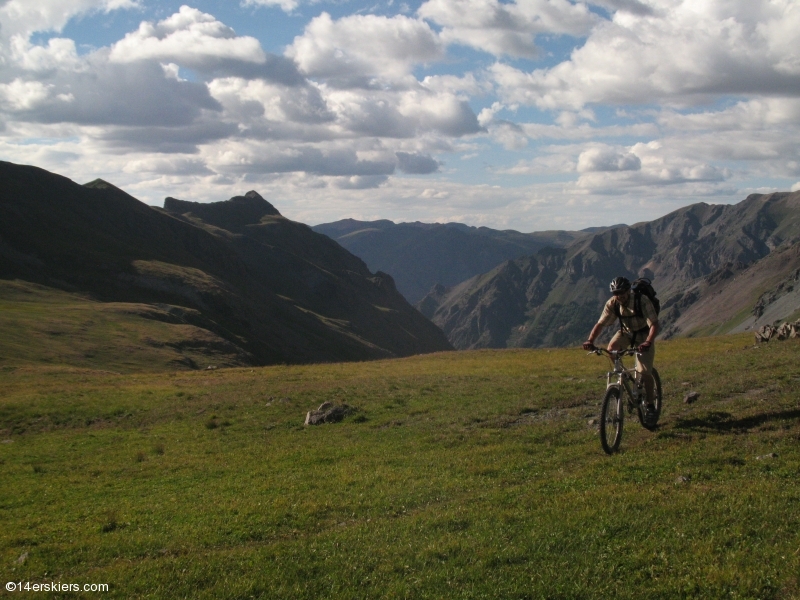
<point>611,418</point>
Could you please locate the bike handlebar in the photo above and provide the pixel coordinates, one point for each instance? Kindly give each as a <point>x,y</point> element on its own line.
<point>616,353</point>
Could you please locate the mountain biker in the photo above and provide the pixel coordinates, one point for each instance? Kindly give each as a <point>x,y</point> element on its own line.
<point>639,331</point>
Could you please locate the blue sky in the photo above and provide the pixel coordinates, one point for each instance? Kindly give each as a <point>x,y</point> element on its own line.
<point>526,114</point>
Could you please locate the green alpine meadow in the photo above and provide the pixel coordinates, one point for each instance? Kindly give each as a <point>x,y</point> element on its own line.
<point>164,372</point>
<point>475,474</point>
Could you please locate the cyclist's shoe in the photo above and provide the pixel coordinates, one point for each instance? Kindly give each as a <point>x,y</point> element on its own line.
<point>649,412</point>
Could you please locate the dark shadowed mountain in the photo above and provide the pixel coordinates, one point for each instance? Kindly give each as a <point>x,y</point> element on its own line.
<point>269,288</point>
<point>421,255</point>
<point>716,268</point>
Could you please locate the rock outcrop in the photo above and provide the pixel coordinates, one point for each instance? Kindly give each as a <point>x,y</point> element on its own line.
<point>780,332</point>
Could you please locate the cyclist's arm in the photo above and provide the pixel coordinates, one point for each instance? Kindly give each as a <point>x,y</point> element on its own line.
<point>652,319</point>
<point>595,332</point>
<point>606,318</point>
<point>651,335</point>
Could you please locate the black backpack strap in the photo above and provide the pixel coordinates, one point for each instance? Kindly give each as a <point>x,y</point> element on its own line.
<point>637,311</point>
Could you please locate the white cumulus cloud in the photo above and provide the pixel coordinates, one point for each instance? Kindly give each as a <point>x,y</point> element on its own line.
<point>22,95</point>
<point>753,115</point>
<point>647,165</point>
<point>190,38</point>
<point>364,46</point>
<point>684,52</point>
<point>59,53</point>
<point>23,17</point>
<point>606,158</point>
<point>506,28</point>
<point>251,100</point>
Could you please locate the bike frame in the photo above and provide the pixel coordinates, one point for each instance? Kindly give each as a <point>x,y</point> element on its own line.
<point>628,379</point>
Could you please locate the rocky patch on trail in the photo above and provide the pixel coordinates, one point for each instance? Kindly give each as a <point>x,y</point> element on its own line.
<point>328,413</point>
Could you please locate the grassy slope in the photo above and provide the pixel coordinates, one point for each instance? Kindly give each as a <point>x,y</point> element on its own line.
<point>467,475</point>
<point>42,325</point>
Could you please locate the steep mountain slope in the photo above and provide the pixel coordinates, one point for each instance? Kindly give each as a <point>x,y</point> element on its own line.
<point>421,255</point>
<point>763,293</point>
<point>711,264</point>
<point>44,325</point>
<point>274,289</point>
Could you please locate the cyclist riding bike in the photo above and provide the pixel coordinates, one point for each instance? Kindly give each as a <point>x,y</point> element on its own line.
<point>637,330</point>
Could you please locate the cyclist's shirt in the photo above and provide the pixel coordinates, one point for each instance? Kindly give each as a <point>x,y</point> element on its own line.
<point>630,322</point>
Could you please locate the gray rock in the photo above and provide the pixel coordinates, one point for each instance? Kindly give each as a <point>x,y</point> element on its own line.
<point>767,456</point>
<point>780,333</point>
<point>765,334</point>
<point>328,413</point>
<point>683,479</point>
<point>691,397</point>
<point>788,330</point>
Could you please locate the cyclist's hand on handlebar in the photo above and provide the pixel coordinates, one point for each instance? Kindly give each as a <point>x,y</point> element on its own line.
<point>644,346</point>
<point>589,346</point>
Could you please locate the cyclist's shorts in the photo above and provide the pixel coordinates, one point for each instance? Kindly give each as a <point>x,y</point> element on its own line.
<point>644,364</point>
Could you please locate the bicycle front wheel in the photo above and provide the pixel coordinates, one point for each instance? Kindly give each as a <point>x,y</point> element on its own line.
<point>611,417</point>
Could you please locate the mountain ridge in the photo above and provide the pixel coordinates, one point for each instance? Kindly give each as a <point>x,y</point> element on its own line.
<point>234,214</point>
<point>421,255</point>
<point>273,288</point>
<point>553,297</point>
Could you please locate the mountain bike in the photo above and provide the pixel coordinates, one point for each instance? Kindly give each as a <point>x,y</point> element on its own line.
<point>612,413</point>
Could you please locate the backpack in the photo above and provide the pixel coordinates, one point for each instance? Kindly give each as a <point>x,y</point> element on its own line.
<point>642,286</point>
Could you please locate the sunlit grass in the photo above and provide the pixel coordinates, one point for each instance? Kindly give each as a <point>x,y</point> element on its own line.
<point>469,475</point>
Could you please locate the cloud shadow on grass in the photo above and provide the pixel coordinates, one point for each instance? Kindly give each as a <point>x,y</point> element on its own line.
<point>724,422</point>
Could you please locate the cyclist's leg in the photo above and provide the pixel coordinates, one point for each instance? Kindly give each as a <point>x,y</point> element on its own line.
<point>620,341</point>
<point>644,365</point>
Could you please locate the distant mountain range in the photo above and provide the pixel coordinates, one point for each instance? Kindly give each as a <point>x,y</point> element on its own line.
<point>422,255</point>
<point>238,282</point>
<point>271,289</point>
<point>716,268</point>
